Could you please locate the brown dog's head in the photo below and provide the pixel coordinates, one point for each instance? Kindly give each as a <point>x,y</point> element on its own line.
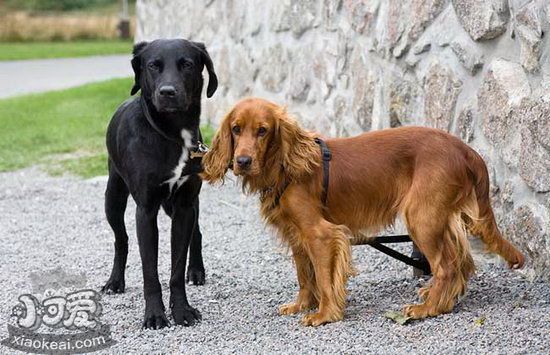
<point>257,136</point>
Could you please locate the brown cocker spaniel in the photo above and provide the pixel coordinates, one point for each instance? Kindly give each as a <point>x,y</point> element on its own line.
<point>438,184</point>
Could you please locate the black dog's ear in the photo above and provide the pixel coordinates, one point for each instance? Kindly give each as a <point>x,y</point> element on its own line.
<point>136,65</point>
<point>213,79</point>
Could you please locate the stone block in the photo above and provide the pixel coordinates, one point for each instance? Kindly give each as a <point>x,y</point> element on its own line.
<point>482,20</point>
<point>363,84</point>
<point>405,98</point>
<point>465,127</point>
<point>360,13</point>
<point>468,55</point>
<point>528,229</point>
<point>503,88</point>
<point>529,32</point>
<point>275,64</point>
<point>441,87</point>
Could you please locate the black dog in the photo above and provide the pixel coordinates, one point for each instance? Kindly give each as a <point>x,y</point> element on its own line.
<point>151,142</point>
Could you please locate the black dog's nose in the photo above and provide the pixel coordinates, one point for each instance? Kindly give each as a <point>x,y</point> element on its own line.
<point>244,161</point>
<point>167,90</point>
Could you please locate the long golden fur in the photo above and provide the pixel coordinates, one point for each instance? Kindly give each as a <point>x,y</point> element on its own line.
<point>437,183</point>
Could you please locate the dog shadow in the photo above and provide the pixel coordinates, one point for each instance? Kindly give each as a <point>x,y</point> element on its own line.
<point>496,289</point>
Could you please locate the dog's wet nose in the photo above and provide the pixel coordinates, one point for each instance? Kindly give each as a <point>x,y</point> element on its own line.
<point>244,161</point>
<point>167,90</point>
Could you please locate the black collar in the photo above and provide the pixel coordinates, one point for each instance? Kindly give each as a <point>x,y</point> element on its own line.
<point>198,148</point>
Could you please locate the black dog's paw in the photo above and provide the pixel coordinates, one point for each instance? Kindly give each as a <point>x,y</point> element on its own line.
<point>186,316</point>
<point>113,286</point>
<point>195,276</point>
<point>155,318</point>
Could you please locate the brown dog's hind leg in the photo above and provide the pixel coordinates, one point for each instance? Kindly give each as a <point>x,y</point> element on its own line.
<point>443,241</point>
<point>307,298</point>
<point>486,228</point>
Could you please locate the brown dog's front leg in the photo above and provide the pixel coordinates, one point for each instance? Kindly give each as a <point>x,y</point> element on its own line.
<point>306,278</point>
<point>330,253</point>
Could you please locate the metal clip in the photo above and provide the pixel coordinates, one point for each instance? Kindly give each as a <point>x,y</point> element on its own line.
<point>200,151</point>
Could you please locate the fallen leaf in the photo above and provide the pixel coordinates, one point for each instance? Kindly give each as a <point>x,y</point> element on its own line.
<point>397,317</point>
<point>480,321</point>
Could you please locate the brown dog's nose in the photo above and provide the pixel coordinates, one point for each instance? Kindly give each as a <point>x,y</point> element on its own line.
<point>244,161</point>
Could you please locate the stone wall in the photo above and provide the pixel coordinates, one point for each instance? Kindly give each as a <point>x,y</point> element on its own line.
<point>478,69</point>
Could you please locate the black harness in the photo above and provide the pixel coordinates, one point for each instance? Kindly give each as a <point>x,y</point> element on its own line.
<point>326,155</point>
<point>416,260</point>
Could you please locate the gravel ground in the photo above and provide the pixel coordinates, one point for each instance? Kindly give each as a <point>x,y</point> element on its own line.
<point>48,222</point>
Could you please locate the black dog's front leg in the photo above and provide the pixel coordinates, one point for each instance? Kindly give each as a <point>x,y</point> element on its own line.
<point>183,223</point>
<point>195,270</point>
<point>147,232</point>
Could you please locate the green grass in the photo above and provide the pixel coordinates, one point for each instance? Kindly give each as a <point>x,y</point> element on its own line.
<point>44,50</point>
<point>207,134</point>
<point>63,130</point>
<point>63,5</point>
<point>86,166</point>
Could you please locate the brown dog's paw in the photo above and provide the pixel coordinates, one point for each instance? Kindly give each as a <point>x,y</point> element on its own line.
<point>416,311</point>
<point>317,319</point>
<point>289,308</point>
<point>517,261</point>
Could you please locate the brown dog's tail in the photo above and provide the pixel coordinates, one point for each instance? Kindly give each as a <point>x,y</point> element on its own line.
<point>481,221</point>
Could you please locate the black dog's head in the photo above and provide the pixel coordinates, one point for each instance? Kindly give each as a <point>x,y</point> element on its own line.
<point>169,73</point>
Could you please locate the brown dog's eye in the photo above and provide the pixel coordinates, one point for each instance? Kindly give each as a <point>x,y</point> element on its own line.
<point>236,129</point>
<point>262,131</point>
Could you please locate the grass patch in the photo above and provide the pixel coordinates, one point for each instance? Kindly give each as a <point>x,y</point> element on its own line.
<point>21,26</point>
<point>207,134</point>
<point>58,122</point>
<point>62,130</point>
<point>43,50</point>
<point>86,166</point>
<point>66,5</point>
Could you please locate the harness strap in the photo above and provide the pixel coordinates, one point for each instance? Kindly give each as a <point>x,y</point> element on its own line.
<point>417,263</point>
<point>326,155</point>
<point>281,192</point>
<point>414,261</point>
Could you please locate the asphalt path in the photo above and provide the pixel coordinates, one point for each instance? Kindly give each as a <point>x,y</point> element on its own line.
<point>32,76</point>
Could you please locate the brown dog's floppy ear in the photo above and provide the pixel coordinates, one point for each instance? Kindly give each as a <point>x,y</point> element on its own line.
<point>213,78</point>
<point>299,150</point>
<point>136,65</point>
<point>217,160</point>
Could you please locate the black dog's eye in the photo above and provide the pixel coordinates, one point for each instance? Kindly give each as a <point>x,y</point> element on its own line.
<point>154,65</point>
<point>262,131</point>
<point>236,129</point>
<point>186,64</point>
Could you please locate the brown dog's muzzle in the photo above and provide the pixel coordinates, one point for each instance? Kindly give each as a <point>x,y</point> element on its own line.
<point>243,162</point>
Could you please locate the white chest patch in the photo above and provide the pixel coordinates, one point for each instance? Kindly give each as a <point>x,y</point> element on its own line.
<point>177,180</point>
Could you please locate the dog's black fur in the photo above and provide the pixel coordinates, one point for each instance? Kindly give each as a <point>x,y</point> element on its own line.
<point>148,140</point>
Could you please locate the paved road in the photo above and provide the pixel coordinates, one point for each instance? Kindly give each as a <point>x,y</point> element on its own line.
<point>32,76</point>
<point>48,222</point>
